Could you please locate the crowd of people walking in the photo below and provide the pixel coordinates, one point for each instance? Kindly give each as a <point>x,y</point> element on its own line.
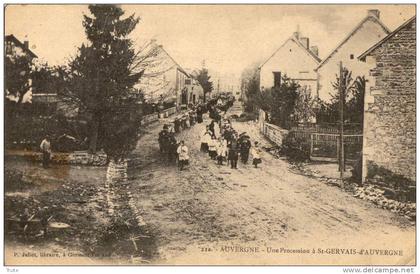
<point>223,144</point>
<point>219,139</point>
<point>173,150</point>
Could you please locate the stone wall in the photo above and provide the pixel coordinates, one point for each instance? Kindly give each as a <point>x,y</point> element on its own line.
<point>75,158</point>
<point>390,105</point>
<point>148,119</point>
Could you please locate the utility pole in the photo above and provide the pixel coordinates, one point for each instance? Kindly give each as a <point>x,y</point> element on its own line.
<point>341,91</point>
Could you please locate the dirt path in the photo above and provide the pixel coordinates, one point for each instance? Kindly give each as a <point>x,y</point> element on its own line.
<point>202,214</point>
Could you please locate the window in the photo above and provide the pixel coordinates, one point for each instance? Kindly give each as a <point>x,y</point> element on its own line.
<point>188,81</point>
<point>277,79</point>
<point>351,56</point>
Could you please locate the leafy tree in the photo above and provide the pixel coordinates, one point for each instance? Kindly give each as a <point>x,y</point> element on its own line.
<point>304,107</point>
<point>250,87</point>
<point>203,78</point>
<point>280,102</point>
<point>356,102</point>
<point>353,100</point>
<point>101,80</point>
<point>17,75</point>
<point>17,84</point>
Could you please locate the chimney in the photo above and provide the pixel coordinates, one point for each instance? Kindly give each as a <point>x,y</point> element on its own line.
<point>305,42</point>
<point>375,13</point>
<point>315,50</point>
<point>296,34</point>
<point>26,44</point>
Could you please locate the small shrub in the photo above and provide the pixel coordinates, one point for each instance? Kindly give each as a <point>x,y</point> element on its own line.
<point>247,116</point>
<point>296,149</point>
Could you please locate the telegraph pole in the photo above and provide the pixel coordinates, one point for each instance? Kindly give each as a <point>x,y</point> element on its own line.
<point>341,91</point>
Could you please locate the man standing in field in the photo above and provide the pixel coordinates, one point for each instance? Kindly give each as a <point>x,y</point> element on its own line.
<point>46,151</point>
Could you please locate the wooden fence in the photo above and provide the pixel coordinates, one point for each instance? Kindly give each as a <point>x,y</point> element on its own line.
<point>325,146</point>
<point>322,139</point>
<point>329,128</point>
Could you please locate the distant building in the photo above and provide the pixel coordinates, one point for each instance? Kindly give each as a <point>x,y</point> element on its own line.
<point>164,77</point>
<point>389,133</point>
<point>369,31</point>
<point>195,92</point>
<point>294,58</point>
<point>15,48</point>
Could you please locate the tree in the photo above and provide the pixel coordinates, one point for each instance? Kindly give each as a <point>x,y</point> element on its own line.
<point>17,84</point>
<point>356,102</point>
<point>18,69</point>
<point>250,87</point>
<point>101,80</point>
<point>203,79</point>
<point>280,102</point>
<point>353,100</point>
<point>304,106</point>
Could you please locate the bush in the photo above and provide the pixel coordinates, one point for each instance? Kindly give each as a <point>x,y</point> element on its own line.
<point>296,149</point>
<point>247,116</point>
<point>391,179</point>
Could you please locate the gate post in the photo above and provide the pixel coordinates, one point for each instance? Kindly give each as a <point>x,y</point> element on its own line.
<point>312,146</point>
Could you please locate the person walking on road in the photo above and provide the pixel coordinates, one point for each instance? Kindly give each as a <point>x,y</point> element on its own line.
<point>183,158</point>
<point>46,151</point>
<point>171,147</point>
<point>233,153</point>
<point>163,134</point>
<point>199,114</point>
<point>256,155</point>
<point>221,151</point>
<point>205,139</point>
<point>211,128</point>
<point>245,146</point>
<point>212,148</point>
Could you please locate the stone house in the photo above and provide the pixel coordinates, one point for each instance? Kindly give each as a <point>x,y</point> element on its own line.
<point>294,58</point>
<point>369,31</point>
<point>389,133</point>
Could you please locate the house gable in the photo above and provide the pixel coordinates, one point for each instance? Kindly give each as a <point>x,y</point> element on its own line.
<point>17,43</point>
<point>291,59</point>
<point>365,35</point>
<point>358,28</point>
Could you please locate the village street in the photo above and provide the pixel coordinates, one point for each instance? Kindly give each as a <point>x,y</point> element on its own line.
<point>196,213</point>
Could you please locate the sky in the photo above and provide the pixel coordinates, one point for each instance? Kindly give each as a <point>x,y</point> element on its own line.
<point>228,37</point>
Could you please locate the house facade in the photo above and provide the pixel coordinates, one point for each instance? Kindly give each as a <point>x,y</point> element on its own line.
<point>296,59</point>
<point>389,133</point>
<point>368,32</point>
<point>195,92</point>
<point>164,78</point>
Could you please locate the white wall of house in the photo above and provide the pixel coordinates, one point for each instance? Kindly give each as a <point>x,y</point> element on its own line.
<point>294,61</point>
<point>163,77</point>
<point>195,92</point>
<point>366,36</point>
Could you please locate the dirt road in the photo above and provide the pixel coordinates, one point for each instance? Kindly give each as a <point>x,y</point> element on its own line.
<point>266,215</point>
